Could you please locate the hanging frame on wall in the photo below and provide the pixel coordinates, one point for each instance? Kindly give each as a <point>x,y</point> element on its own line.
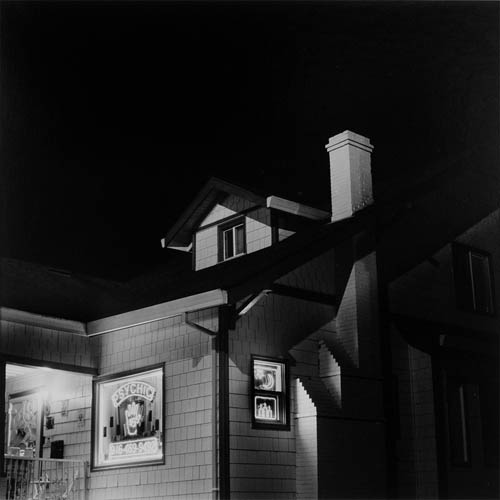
<point>127,419</point>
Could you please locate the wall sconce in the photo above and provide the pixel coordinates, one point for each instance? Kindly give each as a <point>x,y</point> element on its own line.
<point>64,407</point>
<point>49,422</point>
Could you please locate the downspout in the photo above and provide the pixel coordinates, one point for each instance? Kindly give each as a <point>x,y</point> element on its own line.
<point>215,485</point>
<point>227,315</point>
<point>225,312</point>
<point>2,417</point>
<point>220,400</point>
<point>439,390</point>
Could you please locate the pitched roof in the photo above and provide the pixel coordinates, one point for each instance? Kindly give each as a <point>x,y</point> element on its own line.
<point>53,292</point>
<point>34,288</point>
<point>181,232</point>
<point>416,222</point>
<point>215,189</point>
<point>252,272</point>
<point>407,233</point>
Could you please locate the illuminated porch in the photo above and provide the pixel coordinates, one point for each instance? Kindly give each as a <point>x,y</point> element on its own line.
<point>47,430</point>
<point>45,479</point>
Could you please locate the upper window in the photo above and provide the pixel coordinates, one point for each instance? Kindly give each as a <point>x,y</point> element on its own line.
<point>473,280</point>
<point>232,240</point>
<point>128,419</point>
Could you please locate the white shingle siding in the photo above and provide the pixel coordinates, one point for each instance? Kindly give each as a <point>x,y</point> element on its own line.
<point>258,230</point>
<point>206,253</point>
<point>231,206</point>
<point>187,407</point>
<point>186,354</point>
<point>257,225</point>
<point>218,212</point>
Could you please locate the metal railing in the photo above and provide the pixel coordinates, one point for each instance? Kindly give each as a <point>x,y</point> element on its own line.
<point>45,479</point>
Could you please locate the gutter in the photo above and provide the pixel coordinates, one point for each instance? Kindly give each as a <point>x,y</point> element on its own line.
<point>42,321</point>
<point>295,208</point>
<point>204,300</point>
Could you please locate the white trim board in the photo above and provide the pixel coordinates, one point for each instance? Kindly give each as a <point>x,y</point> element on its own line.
<point>157,312</point>
<point>295,208</point>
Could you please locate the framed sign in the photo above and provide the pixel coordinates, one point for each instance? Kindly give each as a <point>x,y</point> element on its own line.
<point>127,419</point>
<point>24,428</point>
<point>269,393</point>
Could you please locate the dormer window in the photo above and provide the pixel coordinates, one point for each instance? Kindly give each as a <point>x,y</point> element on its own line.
<point>232,240</point>
<point>226,221</point>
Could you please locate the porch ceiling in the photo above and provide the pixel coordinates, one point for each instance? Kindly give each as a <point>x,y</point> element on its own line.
<point>12,371</point>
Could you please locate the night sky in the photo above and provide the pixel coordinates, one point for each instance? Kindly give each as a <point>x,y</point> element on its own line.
<point>113,115</point>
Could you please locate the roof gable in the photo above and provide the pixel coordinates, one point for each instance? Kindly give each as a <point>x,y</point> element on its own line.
<point>214,191</point>
<point>227,207</point>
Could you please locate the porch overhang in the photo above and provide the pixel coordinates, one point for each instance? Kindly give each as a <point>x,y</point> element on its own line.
<point>204,300</point>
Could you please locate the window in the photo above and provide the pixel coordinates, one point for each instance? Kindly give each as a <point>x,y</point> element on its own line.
<point>127,420</point>
<point>488,393</point>
<point>232,240</point>
<point>269,393</point>
<point>458,423</point>
<point>473,280</point>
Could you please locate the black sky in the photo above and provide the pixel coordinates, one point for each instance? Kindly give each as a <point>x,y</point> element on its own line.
<point>114,114</point>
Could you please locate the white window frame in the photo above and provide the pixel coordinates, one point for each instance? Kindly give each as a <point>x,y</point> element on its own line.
<point>232,228</point>
<point>484,261</point>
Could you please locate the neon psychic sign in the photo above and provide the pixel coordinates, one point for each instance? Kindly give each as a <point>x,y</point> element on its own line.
<point>136,448</point>
<point>134,415</point>
<point>266,408</point>
<point>128,419</point>
<point>268,389</point>
<point>131,389</point>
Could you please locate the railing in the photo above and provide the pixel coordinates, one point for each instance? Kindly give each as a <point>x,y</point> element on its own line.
<point>45,479</point>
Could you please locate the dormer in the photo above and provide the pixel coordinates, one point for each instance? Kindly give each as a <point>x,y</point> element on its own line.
<point>226,221</point>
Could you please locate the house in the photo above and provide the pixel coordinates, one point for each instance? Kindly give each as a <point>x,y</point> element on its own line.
<point>297,353</point>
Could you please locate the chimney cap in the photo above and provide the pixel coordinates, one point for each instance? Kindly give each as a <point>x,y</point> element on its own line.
<point>351,138</point>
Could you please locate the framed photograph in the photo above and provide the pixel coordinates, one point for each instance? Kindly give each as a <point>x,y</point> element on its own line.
<point>127,419</point>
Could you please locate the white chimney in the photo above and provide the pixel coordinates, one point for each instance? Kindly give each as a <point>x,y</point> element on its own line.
<point>350,173</point>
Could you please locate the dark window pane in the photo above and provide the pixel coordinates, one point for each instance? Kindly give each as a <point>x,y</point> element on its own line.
<point>488,395</point>
<point>481,288</point>
<point>457,421</point>
<point>228,244</point>
<point>462,277</point>
<point>240,239</point>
